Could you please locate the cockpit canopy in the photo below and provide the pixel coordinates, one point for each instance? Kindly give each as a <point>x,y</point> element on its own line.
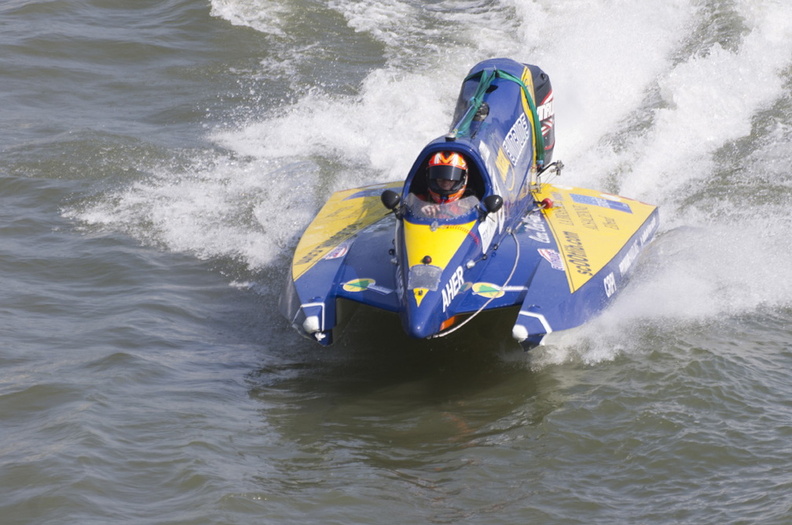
<point>464,208</point>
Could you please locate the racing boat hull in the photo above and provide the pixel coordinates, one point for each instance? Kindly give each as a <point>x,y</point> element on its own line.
<point>561,265</point>
<point>559,254</point>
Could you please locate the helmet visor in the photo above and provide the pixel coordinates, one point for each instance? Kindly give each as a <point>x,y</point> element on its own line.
<point>446,173</point>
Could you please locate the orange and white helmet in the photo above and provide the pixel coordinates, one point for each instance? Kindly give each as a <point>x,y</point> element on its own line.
<point>447,166</point>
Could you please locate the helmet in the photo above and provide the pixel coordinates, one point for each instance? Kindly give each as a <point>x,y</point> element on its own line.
<point>447,166</point>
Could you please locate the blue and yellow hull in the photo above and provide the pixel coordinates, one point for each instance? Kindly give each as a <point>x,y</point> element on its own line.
<point>559,264</point>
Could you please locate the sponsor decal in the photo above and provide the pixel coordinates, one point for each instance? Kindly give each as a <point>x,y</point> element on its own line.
<point>610,223</point>
<point>379,289</point>
<point>339,220</point>
<point>576,254</point>
<point>516,138</point>
<point>585,216</point>
<point>610,284</point>
<point>484,150</point>
<point>365,284</point>
<point>488,290</point>
<point>487,229</point>
<point>553,257</point>
<point>626,263</point>
<point>594,232</point>
<point>332,241</point>
<point>546,111</point>
<point>505,170</point>
<point>562,216</point>
<point>648,231</point>
<point>609,203</point>
<point>453,287</point>
<point>536,226</point>
<point>358,285</point>
<point>540,237</point>
<point>338,251</point>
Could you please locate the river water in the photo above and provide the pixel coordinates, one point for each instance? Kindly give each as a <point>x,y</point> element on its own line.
<point>160,158</point>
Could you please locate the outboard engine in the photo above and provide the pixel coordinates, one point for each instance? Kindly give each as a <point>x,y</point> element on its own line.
<point>545,110</point>
<point>542,92</point>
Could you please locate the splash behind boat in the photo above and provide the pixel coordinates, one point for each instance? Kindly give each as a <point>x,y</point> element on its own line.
<point>560,254</point>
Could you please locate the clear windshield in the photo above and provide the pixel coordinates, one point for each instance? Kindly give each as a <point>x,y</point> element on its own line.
<point>449,210</point>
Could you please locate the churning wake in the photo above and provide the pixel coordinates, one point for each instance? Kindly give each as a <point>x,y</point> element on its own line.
<point>679,103</point>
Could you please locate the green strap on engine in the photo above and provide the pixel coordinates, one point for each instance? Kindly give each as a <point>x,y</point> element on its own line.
<point>475,102</point>
<point>488,76</point>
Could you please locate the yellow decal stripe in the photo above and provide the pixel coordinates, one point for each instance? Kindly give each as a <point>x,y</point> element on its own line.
<point>340,218</point>
<point>440,243</point>
<point>590,227</point>
<point>527,79</point>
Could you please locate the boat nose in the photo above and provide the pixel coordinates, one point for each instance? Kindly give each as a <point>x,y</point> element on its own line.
<point>420,321</point>
<point>420,330</point>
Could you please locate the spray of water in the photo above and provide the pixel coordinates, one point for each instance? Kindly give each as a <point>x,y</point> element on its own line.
<point>672,102</point>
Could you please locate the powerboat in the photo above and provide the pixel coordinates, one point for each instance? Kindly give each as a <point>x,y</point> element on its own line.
<point>551,256</point>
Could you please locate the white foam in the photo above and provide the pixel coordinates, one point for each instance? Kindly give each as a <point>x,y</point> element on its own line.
<point>265,16</point>
<point>602,57</point>
<point>244,211</point>
<point>711,99</point>
<point>377,133</point>
<point>725,253</point>
<point>612,63</point>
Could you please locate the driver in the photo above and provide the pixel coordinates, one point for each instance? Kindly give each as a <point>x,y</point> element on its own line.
<point>447,176</point>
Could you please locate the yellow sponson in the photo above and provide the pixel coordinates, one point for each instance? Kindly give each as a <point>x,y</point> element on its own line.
<point>590,227</point>
<point>343,216</point>
<point>440,243</point>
